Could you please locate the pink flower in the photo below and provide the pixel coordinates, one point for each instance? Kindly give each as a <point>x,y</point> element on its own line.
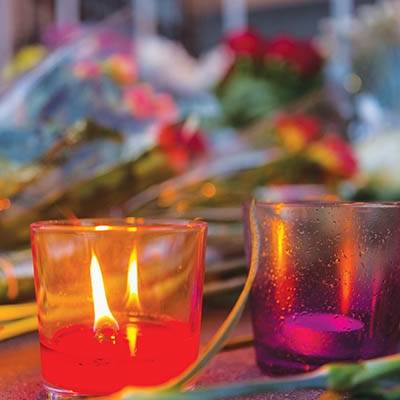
<point>300,54</point>
<point>245,43</point>
<point>61,34</point>
<point>122,68</point>
<point>165,108</point>
<point>87,69</point>
<point>140,100</point>
<point>108,39</point>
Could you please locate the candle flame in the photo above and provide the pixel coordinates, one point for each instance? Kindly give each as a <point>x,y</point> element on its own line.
<point>103,317</point>
<point>133,281</point>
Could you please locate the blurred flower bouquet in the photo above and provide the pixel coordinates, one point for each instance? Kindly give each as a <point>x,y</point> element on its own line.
<point>265,75</point>
<point>85,134</point>
<point>82,132</point>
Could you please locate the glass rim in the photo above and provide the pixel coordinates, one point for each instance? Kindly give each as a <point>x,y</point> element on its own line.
<point>116,224</point>
<point>325,204</point>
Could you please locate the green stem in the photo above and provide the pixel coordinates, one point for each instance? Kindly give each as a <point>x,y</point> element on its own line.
<point>393,393</point>
<point>225,329</point>
<point>378,368</point>
<point>350,376</point>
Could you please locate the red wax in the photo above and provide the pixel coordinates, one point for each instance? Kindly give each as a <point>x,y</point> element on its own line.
<point>75,359</point>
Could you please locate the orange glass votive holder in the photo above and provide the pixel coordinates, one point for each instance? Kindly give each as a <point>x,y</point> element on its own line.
<point>119,301</point>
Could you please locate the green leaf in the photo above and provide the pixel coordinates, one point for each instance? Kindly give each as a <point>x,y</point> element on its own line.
<point>245,99</point>
<point>82,132</point>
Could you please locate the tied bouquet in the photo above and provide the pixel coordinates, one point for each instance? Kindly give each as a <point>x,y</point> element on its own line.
<point>266,74</point>
<point>74,157</point>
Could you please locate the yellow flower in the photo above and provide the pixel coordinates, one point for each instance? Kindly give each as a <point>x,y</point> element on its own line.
<point>333,154</point>
<point>122,68</point>
<point>295,132</point>
<point>27,58</point>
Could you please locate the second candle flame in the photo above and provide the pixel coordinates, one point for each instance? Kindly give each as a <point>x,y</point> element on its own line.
<point>105,325</point>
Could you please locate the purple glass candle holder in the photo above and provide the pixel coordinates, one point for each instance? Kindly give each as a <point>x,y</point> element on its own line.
<point>328,284</point>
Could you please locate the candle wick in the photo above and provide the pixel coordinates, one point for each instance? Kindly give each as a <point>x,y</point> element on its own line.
<point>106,330</point>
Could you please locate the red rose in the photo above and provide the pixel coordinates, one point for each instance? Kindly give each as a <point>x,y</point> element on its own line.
<point>245,43</point>
<point>300,54</point>
<point>181,142</point>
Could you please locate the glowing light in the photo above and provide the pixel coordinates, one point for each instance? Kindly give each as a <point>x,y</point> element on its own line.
<point>5,203</point>
<point>133,299</point>
<point>208,190</point>
<point>346,268</point>
<point>280,247</point>
<point>331,197</point>
<point>101,228</point>
<point>182,206</point>
<point>284,282</point>
<point>352,83</point>
<point>375,295</point>
<point>167,196</point>
<point>132,334</point>
<point>133,281</point>
<point>105,324</point>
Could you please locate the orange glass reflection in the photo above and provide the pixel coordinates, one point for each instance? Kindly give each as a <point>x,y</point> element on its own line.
<point>347,267</point>
<point>133,280</point>
<point>284,282</point>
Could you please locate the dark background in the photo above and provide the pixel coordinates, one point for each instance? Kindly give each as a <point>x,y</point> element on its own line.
<point>199,31</point>
<point>196,25</point>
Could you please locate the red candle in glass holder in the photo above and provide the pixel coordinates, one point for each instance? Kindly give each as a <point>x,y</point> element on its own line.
<point>107,357</point>
<point>119,302</point>
<point>138,354</point>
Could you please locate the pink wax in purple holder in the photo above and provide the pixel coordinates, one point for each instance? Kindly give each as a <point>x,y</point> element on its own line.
<point>302,342</point>
<point>323,335</point>
<point>328,283</point>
